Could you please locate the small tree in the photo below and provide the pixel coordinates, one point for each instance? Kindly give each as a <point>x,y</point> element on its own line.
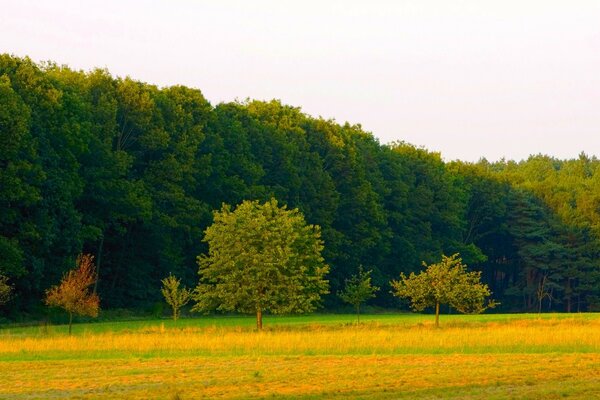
<point>261,257</point>
<point>542,292</point>
<point>174,296</point>
<point>447,282</point>
<point>5,290</point>
<point>73,294</point>
<point>358,290</point>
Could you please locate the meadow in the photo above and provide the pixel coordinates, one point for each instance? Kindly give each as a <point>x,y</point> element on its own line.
<point>509,356</point>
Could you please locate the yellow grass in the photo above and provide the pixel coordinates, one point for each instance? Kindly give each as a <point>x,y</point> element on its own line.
<point>550,359</point>
<point>406,376</point>
<point>518,336</point>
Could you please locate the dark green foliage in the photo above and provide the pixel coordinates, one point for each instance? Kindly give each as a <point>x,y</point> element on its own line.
<point>5,290</point>
<point>130,173</point>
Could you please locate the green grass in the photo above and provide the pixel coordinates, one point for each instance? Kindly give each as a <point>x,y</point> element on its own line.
<point>274,322</point>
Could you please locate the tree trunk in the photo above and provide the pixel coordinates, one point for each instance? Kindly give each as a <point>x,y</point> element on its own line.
<point>259,324</point>
<point>541,293</point>
<point>358,313</point>
<point>437,315</point>
<point>70,322</point>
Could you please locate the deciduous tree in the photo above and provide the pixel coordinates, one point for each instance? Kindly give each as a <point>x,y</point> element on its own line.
<point>73,294</point>
<point>358,290</point>
<point>447,282</point>
<point>261,257</point>
<point>175,296</point>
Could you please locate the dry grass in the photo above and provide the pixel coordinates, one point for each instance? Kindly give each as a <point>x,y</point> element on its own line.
<point>518,359</point>
<point>460,376</point>
<point>535,336</point>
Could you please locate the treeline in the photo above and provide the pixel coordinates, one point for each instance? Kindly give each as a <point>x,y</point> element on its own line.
<point>131,173</point>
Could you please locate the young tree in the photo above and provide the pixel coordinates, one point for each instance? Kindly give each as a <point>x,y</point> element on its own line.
<point>73,293</point>
<point>261,257</point>
<point>447,282</point>
<point>174,296</point>
<point>5,290</point>
<point>358,290</point>
<point>542,292</point>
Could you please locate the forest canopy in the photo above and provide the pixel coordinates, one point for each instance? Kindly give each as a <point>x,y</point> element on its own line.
<point>129,172</point>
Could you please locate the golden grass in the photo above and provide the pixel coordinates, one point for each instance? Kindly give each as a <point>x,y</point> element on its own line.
<point>562,335</point>
<point>547,359</point>
<point>403,376</point>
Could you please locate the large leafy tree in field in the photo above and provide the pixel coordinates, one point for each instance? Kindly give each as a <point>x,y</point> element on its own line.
<point>447,282</point>
<point>261,258</point>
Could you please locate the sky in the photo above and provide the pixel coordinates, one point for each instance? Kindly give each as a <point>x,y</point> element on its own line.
<point>469,79</point>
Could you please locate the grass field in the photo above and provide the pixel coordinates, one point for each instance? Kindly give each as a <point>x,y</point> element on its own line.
<point>323,356</point>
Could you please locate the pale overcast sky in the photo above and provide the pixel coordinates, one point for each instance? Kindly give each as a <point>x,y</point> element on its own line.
<point>467,78</point>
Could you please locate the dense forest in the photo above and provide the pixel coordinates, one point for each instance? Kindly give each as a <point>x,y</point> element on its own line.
<point>130,173</point>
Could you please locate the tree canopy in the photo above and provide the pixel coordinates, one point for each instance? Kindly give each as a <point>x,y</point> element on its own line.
<point>129,172</point>
<point>358,289</point>
<point>261,258</point>
<point>73,293</point>
<point>175,296</point>
<point>447,282</point>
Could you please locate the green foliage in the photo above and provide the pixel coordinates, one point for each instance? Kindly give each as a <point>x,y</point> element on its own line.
<point>130,172</point>
<point>175,296</point>
<point>261,257</point>
<point>5,290</point>
<point>446,282</point>
<point>358,290</point>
